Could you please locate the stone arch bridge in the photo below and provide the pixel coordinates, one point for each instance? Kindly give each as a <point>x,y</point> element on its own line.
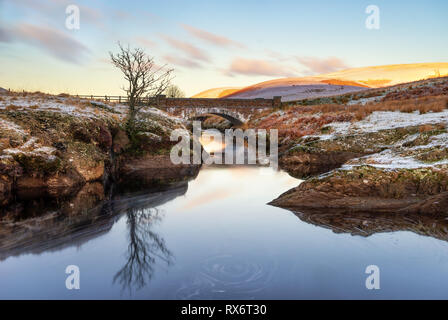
<point>237,111</point>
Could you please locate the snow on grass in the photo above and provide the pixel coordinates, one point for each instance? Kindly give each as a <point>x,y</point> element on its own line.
<point>75,107</point>
<point>32,147</point>
<point>440,140</point>
<point>393,158</point>
<point>388,159</point>
<point>364,101</point>
<point>6,125</point>
<point>383,120</point>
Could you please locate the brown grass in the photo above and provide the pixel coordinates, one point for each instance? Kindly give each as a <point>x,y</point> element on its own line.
<point>297,121</point>
<point>430,127</point>
<point>12,107</point>
<point>423,105</point>
<point>426,128</point>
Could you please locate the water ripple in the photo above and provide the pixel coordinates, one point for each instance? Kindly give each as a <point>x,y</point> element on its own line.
<point>227,275</point>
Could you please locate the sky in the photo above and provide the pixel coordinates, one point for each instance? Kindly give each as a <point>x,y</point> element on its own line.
<point>210,43</point>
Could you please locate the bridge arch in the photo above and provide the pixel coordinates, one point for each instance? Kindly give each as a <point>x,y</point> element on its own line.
<point>236,117</point>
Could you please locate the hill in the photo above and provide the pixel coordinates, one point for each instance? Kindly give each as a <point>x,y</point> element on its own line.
<point>335,83</point>
<point>216,92</point>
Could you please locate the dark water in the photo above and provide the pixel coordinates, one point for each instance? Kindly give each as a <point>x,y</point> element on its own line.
<point>215,238</point>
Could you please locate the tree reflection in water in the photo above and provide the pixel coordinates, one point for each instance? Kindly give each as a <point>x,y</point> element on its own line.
<point>144,249</point>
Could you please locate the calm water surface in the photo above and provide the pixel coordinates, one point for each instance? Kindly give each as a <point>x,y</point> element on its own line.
<point>216,238</point>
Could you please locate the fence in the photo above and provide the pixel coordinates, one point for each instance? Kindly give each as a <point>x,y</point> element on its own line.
<point>119,99</point>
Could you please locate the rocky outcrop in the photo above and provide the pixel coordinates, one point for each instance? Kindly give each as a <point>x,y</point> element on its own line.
<point>368,189</point>
<point>307,164</point>
<point>390,170</point>
<point>153,169</point>
<point>120,141</point>
<point>312,156</point>
<point>55,185</point>
<point>8,172</point>
<point>54,153</point>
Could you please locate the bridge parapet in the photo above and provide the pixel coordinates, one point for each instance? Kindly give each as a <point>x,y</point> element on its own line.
<point>164,102</point>
<point>277,102</point>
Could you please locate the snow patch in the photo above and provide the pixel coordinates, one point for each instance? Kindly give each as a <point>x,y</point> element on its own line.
<point>11,126</point>
<point>388,159</point>
<point>383,120</point>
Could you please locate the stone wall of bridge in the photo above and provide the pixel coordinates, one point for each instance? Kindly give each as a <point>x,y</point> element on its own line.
<point>237,111</point>
<point>164,102</point>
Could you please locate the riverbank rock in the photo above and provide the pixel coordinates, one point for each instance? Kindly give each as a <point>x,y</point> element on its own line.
<point>308,164</point>
<point>121,141</point>
<point>315,155</point>
<point>369,189</point>
<point>389,162</point>
<point>154,169</point>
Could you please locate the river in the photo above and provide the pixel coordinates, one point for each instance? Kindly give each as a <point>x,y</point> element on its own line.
<point>215,237</point>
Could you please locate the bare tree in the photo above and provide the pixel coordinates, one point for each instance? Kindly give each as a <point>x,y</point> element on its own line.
<point>144,78</point>
<point>174,91</point>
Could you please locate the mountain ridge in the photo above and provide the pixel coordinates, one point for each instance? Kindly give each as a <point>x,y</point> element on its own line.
<point>339,82</point>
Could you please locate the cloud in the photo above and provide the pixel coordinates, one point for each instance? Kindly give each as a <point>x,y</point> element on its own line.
<point>52,9</point>
<point>183,62</point>
<point>211,37</point>
<point>189,49</point>
<point>318,65</point>
<point>151,17</point>
<point>89,14</point>
<point>57,43</point>
<point>4,36</point>
<point>210,197</point>
<point>146,42</point>
<point>123,15</point>
<point>254,67</point>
